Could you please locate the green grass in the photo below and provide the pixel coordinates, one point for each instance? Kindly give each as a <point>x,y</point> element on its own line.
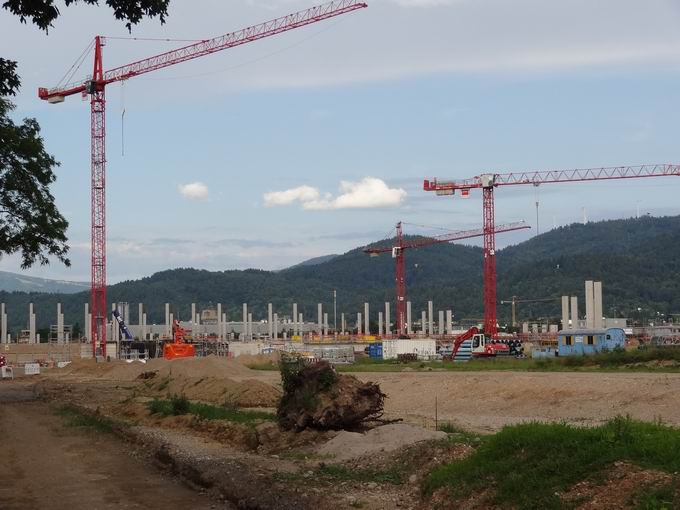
<point>392,474</point>
<point>179,405</point>
<point>661,498</point>
<point>76,417</point>
<point>526,464</point>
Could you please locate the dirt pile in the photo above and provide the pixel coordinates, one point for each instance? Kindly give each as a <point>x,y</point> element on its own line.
<point>316,396</point>
<point>349,445</point>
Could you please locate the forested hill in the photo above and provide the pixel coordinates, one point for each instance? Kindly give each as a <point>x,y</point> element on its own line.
<point>638,261</point>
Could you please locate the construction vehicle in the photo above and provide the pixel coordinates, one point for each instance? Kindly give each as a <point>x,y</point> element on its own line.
<point>178,348</point>
<point>124,331</point>
<point>481,346</point>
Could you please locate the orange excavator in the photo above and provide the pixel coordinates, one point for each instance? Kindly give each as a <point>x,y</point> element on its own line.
<point>178,348</point>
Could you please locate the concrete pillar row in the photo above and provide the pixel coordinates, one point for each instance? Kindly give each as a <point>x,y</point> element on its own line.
<point>565,312</point>
<point>275,327</point>
<point>440,329</point>
<point>590,304</point>
<point>380,323</point>
<point>449,322</point>
<point>359,323</point>
<point>598,321</point>
<point>430,318</point>
<point>325,324</point>
<point>270,320</point>
<point>388,325</point>
<point>423,323</point>
<point>574,312</point>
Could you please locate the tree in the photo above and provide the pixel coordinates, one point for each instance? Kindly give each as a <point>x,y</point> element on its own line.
<point>30,222</point>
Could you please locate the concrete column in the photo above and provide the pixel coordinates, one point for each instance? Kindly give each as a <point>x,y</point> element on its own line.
<point>325,324</point>
<point>127,314</point>
<point>114,324</point>
<point>342,323</point>
<point>565,312</point>
<point>193,317</point>
<point>367,318</point>
<point>224,326</point>
<point>296,324</point>
<point>270,320</point>
<point>250,326</point>
<point>140,314</point>
<point>449,322</point>
<point>359,324</point>
<point>143,332</point>
<point>3,324</point>
<point>441,322</point>
<point>319,318</point>
<point>168,320</point>
<point>590,318</point>
<point>423,323</point>
<point>301,322</point>
<point>380,323</point>
<point>525,327</point>
<point>574,312</point>
<point>597,306</point>
<point>275,327</point>
<point>220,333</point>
<point>60,325</point>
<point>244,336</point>
<point>430,317</point>
<point>31,324</point>
<point>409,328</point>
<point>172,320</point>
<point>388,326</point>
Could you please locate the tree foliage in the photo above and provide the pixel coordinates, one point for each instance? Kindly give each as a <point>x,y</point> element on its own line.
<point>29,220</point>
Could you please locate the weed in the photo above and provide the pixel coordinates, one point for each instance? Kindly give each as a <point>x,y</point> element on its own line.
<point>78,418</point>
<point>391,474</point>
<point>206,411</point>
<point>660,498</point>
<point>528,464</point>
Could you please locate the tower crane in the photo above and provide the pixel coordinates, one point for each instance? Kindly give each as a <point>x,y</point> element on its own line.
<point>95,87</point>
<point>489,181</point>
<point>515,300</point>
<point>401,246</point>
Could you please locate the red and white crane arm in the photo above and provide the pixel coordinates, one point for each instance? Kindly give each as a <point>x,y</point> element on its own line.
<point>552,176</point>
<point>223,42</point>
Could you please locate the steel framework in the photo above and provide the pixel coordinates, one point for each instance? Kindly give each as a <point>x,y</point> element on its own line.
<point>95,87</point>
<point>400,246</point>
<point>488,181</point>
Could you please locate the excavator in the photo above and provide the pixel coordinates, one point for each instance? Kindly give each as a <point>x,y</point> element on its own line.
<point>178,348</point>
<point>480,345</point>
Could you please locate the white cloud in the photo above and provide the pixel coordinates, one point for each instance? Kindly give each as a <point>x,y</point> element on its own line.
<point>301,193</point>
<point>369,192</point>
<point>194,191</point>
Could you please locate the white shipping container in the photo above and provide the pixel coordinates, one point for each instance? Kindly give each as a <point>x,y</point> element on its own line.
<point>425,348</point>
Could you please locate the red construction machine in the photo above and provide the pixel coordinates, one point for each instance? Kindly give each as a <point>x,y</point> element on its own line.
<point>178,348</point>
<point>481,346</point>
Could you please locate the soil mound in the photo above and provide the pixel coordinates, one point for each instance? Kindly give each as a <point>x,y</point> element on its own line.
<point>316,396</point>
<point>350,445</point>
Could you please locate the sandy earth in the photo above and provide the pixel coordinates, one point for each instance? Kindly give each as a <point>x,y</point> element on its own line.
<point>48,465</point>
<point>486,401</point>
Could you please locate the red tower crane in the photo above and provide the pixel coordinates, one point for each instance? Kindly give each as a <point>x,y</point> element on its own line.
<point>95,86</point>
<point>487,182</point>
<point>401,246</point>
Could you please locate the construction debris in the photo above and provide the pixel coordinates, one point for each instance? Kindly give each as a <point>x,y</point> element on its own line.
<point>316,396</point>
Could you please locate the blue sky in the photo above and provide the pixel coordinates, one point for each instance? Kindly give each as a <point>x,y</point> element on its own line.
<point>401,91</point>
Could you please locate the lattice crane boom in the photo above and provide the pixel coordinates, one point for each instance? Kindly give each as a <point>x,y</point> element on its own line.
<point>95,86</point>
<point>488,181</point>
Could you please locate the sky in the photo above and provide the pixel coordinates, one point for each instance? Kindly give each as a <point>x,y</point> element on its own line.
<point>317,141</point>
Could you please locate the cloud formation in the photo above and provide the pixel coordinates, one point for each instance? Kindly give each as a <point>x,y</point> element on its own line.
<point>194,191</point>
<point>369,192</point>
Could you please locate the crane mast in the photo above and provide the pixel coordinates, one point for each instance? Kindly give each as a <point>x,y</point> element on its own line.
<point>96,88</point>
<point>489,181</point>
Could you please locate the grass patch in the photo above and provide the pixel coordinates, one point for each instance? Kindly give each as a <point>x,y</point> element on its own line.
<point>391,474</point>
<point>179,405</point>
<point>76,417</point>
<point>527,464</point>
<point>661,498</point>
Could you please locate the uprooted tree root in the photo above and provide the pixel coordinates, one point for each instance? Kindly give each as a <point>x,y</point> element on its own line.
<point>316,396</point>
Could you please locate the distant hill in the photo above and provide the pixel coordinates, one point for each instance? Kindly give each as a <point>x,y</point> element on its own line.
<point>315,261</point>
<point>637,260</point>
<point>13,282</point>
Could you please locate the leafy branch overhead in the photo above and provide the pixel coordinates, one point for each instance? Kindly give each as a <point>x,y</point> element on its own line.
<point>43,12</point>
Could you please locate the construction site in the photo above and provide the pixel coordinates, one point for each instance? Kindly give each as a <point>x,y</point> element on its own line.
<point>559,394</point>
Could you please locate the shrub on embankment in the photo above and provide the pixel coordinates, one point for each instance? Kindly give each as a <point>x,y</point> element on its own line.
<point>527,465</point>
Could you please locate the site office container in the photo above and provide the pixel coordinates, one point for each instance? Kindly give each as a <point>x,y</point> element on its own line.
<point>589,341</point>
<point>424,348</point>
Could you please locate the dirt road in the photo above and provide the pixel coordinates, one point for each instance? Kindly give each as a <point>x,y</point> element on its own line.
<point>47,464</point>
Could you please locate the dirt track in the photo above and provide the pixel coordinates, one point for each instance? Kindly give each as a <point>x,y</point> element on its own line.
<point>48,465</point>
<point>486,401</point>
